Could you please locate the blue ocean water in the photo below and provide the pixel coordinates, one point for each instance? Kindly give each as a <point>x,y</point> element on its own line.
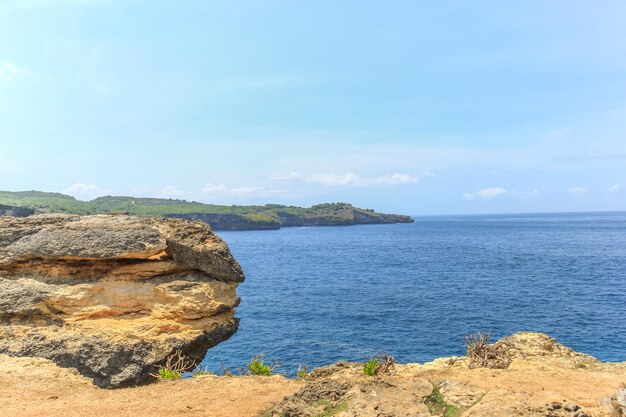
<point>317,295</point>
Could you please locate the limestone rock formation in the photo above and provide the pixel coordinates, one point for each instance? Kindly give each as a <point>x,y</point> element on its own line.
<point>114,296</point>
<point>544,379</point>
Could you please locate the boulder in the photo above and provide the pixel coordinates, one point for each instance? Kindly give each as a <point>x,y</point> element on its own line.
<point>114,296</point>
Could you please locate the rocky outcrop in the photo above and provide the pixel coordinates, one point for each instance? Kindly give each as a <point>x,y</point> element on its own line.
<point>114,296</point>
<point>15,211</point>
<point>544,379</point>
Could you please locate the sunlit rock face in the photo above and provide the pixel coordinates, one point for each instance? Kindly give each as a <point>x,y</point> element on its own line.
<point>114,296</point>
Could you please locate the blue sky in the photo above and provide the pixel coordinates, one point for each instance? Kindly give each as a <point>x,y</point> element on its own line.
<point>402,106</point>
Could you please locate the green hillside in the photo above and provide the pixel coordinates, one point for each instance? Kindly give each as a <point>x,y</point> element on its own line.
<point>269,216</point>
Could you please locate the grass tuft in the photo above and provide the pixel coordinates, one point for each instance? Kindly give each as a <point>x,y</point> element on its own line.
<point>438,405</point>
<point>382,364</point>
<point>303,371</point>
<point>329,409</point>
<point>369,367</point>
<point>257,366</point>
<point>201,372</point>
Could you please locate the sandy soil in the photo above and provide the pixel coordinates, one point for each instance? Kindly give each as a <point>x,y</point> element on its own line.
<point>37,387</point>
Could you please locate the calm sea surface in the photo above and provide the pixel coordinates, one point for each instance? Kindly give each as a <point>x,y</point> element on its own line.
<point>317,295</point>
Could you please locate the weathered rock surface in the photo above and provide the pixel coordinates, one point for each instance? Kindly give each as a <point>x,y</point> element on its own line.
<point>113,296</point>
<point>619,401</point>
<point>545,379</point>
<point>15,211</point>
<point>229,221</point>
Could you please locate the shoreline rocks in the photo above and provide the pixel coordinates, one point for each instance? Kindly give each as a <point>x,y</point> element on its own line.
<point>15,211</point>
<point>114,296</point>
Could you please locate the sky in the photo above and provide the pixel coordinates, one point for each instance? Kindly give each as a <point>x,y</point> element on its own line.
<point>402,106</point>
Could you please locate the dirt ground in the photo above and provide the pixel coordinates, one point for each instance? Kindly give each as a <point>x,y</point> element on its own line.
<point>32,387</point>
<point>545,379</point>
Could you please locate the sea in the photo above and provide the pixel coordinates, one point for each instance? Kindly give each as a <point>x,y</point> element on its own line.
<point>317,295</point>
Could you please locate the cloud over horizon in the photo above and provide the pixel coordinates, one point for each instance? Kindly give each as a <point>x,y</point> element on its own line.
<point>577,190</point>
<point>489,193</point>
<point>82,191</point>
<point>9,71</point>
<point>485,193</point>
<point>353,180</point>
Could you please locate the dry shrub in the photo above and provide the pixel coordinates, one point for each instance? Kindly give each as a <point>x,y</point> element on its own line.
<point>386,364</point>
<point>175,365</point>
<point>481,354</point>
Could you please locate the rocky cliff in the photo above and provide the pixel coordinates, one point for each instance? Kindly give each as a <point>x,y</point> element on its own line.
<point>15,211</point>
<point>540,378</point>
<point>229,221</point>
<point>113,296</point>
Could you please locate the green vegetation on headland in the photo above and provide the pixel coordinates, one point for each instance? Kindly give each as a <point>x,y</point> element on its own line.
<point>269,216</point>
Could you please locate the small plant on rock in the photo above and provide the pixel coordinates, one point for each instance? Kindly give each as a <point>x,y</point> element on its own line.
<point>369,367</point>
<point>437,405</point>
<point>303,371</point>
<point>175,365</point>
<point>201,372</point>
<point>257,366</point>
<point>329,409</point>
<point>164,373</point>
<point>226,371</point>
<point>382,364</point>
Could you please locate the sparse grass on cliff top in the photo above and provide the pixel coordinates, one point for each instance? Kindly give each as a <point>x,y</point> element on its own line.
<point>438,405</point>
<point>303,371</point>
<point>329,409</point>
<point>257,366</point>
<point>382,364</point>
<point>369,367</point>
<point>201,372</point>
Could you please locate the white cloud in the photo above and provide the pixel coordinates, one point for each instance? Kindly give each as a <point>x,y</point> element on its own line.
<point>577,190</point>
<point>245,191</point>
<point>393,179</point>
<point>210,188</point>
<point>171,191</point>
<point>84,191</point>
<point>335,179</point>
<point>485,193</point>
<point>526,194</point>
<point>9,71</point>
<point>352,180</point>
<point>221,190</point>
<point>491,192</point>
<point>615,188</point>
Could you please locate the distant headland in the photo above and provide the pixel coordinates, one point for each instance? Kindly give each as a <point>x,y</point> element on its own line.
<point>219,217</point>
